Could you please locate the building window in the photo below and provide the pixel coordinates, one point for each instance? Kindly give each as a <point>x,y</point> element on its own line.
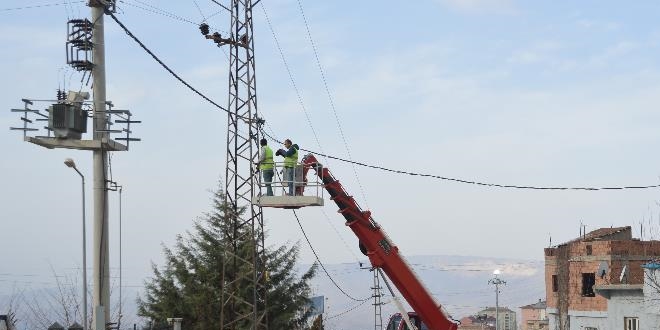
<point>631,323</point>
<point>589,250</point>
<point>555,283</point>
<point>590,328</point>
<point>588,282</point>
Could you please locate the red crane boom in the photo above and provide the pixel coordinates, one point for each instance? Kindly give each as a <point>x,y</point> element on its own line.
<point>381,251</point>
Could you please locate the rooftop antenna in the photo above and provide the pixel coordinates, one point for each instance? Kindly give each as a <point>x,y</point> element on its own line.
<point>580,235</point>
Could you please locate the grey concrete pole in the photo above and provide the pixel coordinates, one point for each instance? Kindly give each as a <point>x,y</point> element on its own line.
<point>101,258</point>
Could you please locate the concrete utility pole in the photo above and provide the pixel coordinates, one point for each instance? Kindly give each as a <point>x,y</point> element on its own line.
<point>67,121</point>
<point>101,296</point>
<point>497,282</point>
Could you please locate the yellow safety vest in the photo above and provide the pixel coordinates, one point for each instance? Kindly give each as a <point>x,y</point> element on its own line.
<point>291,161</point>
<point>268,162</point>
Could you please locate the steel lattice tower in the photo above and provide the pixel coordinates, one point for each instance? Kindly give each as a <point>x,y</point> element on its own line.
<point>243,272</point>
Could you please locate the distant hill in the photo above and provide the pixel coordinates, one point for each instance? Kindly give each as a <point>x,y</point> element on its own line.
<point>459,283</point>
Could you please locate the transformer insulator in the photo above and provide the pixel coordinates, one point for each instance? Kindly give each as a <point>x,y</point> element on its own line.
<point>204,28</point>
<point>216,37</point>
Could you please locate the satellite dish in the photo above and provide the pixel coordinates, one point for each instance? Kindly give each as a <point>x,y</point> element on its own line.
<point>603,269</point>
<point>624,274</point>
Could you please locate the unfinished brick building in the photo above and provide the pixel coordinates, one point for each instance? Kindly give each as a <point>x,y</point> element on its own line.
<point>597,258</point>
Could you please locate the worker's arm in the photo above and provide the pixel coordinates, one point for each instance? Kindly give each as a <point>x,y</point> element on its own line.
<point>262,155</point>
<point>291,150</point>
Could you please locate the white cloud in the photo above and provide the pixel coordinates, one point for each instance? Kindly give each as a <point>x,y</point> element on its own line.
<point>538,52</point>
<point>612,53</point>
<point>482,6</point>
<point>600,25</point>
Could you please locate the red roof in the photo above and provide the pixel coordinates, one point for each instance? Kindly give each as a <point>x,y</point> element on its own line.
<point>600,234</point>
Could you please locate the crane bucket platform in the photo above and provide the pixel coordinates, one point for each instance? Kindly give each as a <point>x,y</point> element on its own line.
<point>285,189</point>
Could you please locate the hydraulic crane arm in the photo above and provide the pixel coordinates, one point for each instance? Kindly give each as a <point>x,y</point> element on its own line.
<point>381,251</point>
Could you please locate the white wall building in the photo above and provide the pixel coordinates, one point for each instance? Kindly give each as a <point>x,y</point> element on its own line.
<point>633,306</point>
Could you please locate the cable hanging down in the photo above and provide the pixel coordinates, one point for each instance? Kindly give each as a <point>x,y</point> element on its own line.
<point>321,264</point>
<point>439,177</point>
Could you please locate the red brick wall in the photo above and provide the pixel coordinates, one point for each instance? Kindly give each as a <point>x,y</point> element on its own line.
<point>633,253</point>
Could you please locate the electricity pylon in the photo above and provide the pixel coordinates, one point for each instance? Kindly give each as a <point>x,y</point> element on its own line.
<point>243,269</point>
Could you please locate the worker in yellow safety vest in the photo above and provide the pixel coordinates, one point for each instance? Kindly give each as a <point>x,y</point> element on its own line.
<point>290,161</point>
<point>266,166</point>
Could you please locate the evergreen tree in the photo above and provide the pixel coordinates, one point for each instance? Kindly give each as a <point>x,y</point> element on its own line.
<point>189,284</point>
<point>318,323</point>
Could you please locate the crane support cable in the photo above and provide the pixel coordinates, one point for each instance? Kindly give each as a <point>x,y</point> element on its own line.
<point>321,264</point>
<point>478,183</point>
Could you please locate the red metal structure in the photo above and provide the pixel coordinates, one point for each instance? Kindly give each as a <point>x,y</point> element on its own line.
<point>382,253</point>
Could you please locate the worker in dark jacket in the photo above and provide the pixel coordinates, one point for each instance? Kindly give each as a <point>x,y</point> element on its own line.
<point>290,161</point>
<point>266,166</point>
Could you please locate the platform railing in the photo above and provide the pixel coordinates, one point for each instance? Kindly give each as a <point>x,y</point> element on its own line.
<point>312,186</point>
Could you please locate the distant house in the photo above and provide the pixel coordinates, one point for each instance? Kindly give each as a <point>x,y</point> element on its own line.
<point>534,316</point>
<point>507,319</point>
<point>603,257</point>
<point>477,322</point>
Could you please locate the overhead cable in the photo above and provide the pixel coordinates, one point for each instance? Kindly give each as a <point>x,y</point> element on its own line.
<point>41,6</point>
<point>332,102</point>
<point>293,82</point>
<point>397,171</point>
<point>347,311</point>
<point>158,11</point>
<point>321,263</point>
<point>478,183</point>
<point>130,34</point>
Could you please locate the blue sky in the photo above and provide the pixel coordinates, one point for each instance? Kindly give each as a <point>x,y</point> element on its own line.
<point>554,93</point>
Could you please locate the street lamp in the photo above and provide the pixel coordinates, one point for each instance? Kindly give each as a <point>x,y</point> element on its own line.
<point>497,282</point>
<point>70,163</point>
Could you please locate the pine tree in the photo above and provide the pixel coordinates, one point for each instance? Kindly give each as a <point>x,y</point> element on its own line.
<point>318,323</point>
<point>189,284</point>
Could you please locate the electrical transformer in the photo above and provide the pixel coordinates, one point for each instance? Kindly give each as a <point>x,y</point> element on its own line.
<point>67,121</point>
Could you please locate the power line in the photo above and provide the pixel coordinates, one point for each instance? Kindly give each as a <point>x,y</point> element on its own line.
<point>41,6</point>
<point>200,10</point>
<point>347,311</point>
<point>332,102</point>
<point>478,183</point>
<point>293,82</point>
<point>327,218</point>
<point>321,263</point>
<point>158,11</point>
<point>439,177</point>
<point>162,12</point>
<point>130,34</point>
